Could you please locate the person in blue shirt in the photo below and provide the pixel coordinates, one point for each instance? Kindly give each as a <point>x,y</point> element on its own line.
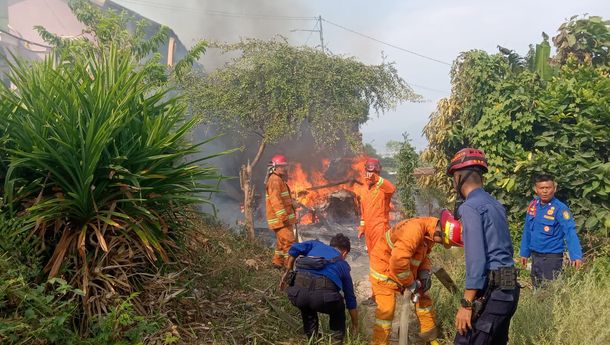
<point>491,291</point>
<point>548,226</point>
<point>317,290</point>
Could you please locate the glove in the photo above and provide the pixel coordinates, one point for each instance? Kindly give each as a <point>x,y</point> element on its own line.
<point>414,286</point>
<point>425,279</point>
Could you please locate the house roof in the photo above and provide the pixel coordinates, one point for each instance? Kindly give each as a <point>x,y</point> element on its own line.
<point>54,15</point>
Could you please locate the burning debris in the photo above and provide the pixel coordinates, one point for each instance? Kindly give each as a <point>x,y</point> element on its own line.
<point>328,195</point>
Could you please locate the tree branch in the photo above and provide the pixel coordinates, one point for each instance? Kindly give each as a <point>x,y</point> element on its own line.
<point>261,148</point>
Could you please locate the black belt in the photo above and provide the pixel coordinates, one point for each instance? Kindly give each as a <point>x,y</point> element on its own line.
<point>548,255</point>
<point>314,282</point>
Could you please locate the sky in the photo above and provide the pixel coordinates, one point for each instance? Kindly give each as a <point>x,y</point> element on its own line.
<point>439,29</point>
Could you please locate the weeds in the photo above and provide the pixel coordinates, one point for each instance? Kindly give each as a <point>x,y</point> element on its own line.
<point>573,310</point>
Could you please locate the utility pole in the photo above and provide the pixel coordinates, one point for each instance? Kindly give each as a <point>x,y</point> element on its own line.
<point>321,34</point>
<point>319,30</point>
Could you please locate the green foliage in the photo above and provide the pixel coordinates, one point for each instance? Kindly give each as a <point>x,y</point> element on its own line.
<point>407,160</point>
<point>273,88</point>
<point>122,326</point>
<point>97,165</point>
<point>105,29</point>
<point>541,59</point>
<point>32,313</point>
<point>528,122</point>
<point>586,39</point>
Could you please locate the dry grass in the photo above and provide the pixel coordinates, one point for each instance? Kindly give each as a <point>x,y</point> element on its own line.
<point>573,310</point>
<point>224,290</point>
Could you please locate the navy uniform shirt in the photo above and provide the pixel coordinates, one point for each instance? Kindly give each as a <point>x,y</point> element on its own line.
<point>546,229</point>
<point>338,271</point>
<point>487,242</point>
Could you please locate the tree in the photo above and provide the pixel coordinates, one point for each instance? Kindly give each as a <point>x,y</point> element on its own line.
<point>586,39</point>
<point>532,120</point>
<point>272,89</point>
<point>408,160</point>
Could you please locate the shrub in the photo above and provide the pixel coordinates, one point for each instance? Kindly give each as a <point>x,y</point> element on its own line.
<point>97,165</point>
<point>30,313</point>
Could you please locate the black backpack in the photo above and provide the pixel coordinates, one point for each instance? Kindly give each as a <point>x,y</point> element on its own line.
<point>314,262</point>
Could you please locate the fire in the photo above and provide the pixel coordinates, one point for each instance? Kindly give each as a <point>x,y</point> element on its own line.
<point>311,187</point>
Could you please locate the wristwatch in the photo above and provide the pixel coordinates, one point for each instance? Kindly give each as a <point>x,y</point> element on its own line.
<point>466,303</point>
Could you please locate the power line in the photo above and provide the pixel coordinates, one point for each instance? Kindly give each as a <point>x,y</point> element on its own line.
<point>385,43</point>
<point>428,88</point>
<point>215,12</point>
<point>317,28</point>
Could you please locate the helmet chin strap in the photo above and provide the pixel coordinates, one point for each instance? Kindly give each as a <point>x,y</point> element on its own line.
<point>460,197</point>
<point>270,170</point>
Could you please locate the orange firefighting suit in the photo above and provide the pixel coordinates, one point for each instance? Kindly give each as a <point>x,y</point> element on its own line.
<point>396,260</point>
<point>280,216</point>
<point>375,209</point>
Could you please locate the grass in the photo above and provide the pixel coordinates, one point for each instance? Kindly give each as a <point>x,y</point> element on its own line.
<point>231,294</point>
<point>573,310</point>
<point>221,289</point>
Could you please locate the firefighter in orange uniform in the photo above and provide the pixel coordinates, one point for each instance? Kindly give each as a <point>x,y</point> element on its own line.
<point>400,264</point>
<point>280,210</point>
<point>374,196</point>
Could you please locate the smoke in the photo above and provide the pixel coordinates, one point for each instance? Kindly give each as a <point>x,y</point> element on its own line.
<point>230,21</point>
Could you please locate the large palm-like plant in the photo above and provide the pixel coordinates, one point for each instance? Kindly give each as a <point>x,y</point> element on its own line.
<point>97,162</point>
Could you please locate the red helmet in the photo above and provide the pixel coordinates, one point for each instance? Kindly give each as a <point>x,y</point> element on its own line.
<point>451,229</point>
<point>278,160</point>
<point>467,157</point>
<point>372,165</point>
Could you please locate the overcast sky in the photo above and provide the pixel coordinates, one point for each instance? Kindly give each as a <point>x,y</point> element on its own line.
<point>439,29</point>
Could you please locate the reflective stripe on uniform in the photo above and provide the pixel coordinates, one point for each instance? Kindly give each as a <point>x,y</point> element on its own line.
<point>415,262</point>
<point>383,323</point>
<point>380,181</point>
<point>280,212</point>
<point>403,275</point>
<point>280,253</point>
<point>379,276</point>
<point>291,216</point>
<point>273,220</point>
<point>424,308</point>
<point>285,194</point>
<point>362,223</point>
<point>382,277</point>
<point>388,239</point>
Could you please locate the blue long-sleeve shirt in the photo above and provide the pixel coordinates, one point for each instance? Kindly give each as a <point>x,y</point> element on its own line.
<point>338,271</point>
<point>487,242</point>
<point>548,228</point>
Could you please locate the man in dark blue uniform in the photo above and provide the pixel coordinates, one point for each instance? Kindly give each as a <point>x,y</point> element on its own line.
<point>321,273</point>
<point>491,293</point>
<point>548,224</point>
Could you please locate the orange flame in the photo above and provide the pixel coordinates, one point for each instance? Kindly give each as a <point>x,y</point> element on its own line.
<point>300,182</point>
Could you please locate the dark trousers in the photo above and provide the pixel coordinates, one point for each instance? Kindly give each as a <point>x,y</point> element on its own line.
<point>545,267</point>
<point>491,327</point>
<point>315,295</point>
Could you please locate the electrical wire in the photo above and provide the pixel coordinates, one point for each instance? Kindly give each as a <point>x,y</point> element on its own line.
<point>280,17</point>
<point>428,88</point>
<point>311,32</point>
<point>385,43</point>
